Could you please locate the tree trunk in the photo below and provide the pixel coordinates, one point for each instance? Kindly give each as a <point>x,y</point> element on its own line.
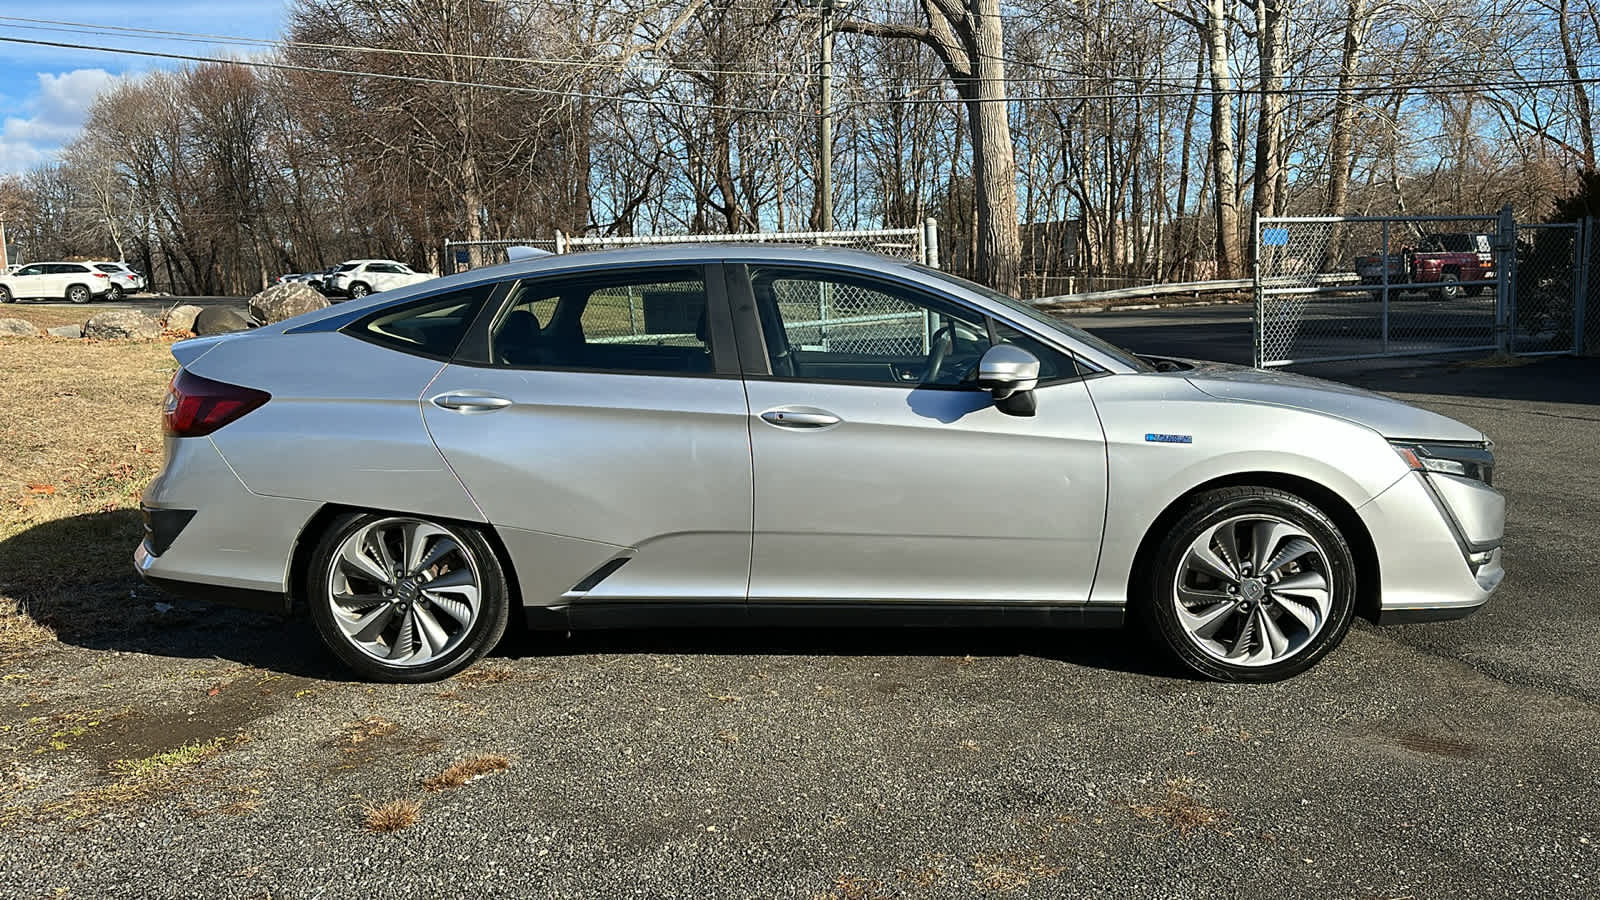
<point>1271,27</point>
<point>1580,94</point>
<point>1344,108</point>
<point>1215,30</point>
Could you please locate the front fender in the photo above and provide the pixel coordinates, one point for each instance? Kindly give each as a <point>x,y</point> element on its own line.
<point>1149,467</point>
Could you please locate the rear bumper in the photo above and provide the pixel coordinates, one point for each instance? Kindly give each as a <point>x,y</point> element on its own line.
<point>234,548</point>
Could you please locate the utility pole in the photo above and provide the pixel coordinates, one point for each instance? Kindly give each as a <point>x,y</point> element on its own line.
<point>4,259</point>
<point>825,121</point>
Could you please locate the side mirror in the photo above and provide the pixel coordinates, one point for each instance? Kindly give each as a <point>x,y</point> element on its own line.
<point>1007,369</point>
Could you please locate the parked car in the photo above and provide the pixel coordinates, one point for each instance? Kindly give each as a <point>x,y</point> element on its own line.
<point>679,436</point>
<point>357,278</point>
<point>319,280</point>
<point>74,281</point>
<point>293,277</point>
<point>1442,259</point>
<point>124,280</point>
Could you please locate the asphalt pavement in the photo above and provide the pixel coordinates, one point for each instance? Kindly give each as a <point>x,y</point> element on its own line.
<point>1455,759</point>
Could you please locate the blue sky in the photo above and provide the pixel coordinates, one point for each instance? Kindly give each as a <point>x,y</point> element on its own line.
<point>45,92</point>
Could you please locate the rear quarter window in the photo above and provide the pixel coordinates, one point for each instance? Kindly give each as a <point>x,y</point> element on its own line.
<point>431,327</point>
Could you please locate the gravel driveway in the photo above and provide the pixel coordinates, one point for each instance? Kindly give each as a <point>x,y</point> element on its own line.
<point>205,752</point>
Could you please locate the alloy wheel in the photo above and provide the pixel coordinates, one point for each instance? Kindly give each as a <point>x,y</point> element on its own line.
<point>1253,590</point>
<point>404,591</point>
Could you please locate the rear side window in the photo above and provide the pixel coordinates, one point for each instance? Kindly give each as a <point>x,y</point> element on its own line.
<point>108,267</point>
<point>644,321</point>
<point>431,327</point>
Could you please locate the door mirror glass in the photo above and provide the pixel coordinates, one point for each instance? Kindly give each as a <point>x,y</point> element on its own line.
<point>1007,369</point>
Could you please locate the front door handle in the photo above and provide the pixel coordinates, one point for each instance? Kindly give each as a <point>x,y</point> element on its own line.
<point>800,417</point>
<point>471,403</point>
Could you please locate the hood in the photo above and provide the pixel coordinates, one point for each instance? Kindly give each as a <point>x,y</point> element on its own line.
<point>1387,416</point>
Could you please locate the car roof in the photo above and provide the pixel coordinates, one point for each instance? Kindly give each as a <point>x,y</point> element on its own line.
<point>667,253</point>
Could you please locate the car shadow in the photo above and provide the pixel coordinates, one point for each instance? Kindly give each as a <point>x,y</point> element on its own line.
<point>75,576</point>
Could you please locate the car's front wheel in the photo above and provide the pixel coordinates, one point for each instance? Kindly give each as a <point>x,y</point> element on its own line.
<point>1251,584</point>
<point>402,598</point>
<point>5,295</point>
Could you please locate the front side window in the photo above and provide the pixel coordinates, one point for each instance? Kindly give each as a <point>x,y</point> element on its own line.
<point>431,327</point>
<point>827,326</point>
<point>631,322</point>
<point>31,270</point>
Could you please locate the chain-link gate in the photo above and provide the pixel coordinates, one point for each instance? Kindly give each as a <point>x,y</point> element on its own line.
<point>1356,287</point>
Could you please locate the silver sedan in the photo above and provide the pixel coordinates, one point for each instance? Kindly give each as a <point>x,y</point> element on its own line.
<point>709,436</point>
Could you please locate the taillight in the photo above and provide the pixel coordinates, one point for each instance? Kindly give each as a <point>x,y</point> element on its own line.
<point>101,275</point>
<point>197,406</point>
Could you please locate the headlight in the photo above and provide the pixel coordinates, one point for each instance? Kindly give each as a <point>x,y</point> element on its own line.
<point>1475,461</point>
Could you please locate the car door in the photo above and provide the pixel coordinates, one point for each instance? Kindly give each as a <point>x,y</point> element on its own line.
<point>606,407</point>
<point>883,474</point>
<point>31,281</point>
<point>380,276</point>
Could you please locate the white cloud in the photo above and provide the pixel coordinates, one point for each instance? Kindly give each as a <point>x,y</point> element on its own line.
<point>55,116</point>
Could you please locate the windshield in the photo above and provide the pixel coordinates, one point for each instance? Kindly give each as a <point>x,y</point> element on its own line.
<point>1028,311</point>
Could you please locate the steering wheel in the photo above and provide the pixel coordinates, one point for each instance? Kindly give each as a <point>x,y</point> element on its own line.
<point>938,349</point>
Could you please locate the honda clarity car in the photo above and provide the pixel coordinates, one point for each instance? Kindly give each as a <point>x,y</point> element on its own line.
<point>762,435</point>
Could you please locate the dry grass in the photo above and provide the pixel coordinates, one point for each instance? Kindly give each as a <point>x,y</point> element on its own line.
<point>486,675</point>
<point>466,771</point>
<point>79,449</point>
<point>355,734</point>
<point>396,815</point>
<point>1178,810</point>
<point>50,316</point>
<point>1004,873</point>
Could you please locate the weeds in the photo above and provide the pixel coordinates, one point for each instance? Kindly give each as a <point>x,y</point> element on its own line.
<point>396,815</point>
<point>1178,810</point>
<point>466,771</point>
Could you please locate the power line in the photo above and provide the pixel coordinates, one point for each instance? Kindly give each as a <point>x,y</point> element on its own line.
<point>390,76</point>
<point>1421,89</point>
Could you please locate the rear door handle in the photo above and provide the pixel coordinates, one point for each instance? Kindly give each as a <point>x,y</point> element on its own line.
<point>471,403</point>
<point>800,417</point>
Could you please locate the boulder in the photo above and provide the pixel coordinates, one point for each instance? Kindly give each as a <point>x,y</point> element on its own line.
<point>282,301</point>
<point>219,320</point>
<point>122,323</point>
<point>67,331</point>
<point>181,318</point>
<point>23,327</point>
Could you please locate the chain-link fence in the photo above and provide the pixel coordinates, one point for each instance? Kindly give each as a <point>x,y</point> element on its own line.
<point>836,316</point>
<point>1545,289</point>
<point>1357,287</point>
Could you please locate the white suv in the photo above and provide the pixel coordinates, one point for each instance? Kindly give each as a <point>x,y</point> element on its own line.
<point>75,281</point>
<point>357,278</point>
<point>124,280</point>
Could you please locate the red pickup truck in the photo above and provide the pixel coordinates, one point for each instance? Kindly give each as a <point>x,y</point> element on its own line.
<point>1442,259</point>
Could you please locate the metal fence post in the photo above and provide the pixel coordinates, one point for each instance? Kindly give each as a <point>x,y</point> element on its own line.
<point>447,262</point>
<point>1260,312</point>
<point>930,242</point>
<point>1505,252</point>
<point>1384,311</point>
<point>1580,300</point>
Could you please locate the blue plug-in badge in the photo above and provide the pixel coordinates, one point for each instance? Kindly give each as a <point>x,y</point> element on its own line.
<point>1169,438</point>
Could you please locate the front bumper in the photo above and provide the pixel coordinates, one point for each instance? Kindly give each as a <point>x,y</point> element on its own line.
<point>1438,549</point>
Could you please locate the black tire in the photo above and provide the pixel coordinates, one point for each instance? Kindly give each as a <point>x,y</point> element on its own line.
<point>5,295</point>
<point>79,294</point>
<point>1450,286</point>
<point>480,637</point>
<point>359,290</point>
<point>115,293</point>
<point>1158,604</point>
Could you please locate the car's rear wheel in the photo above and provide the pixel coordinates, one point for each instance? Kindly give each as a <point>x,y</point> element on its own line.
<point>78,294</point>
<point>1251,584</point>
<point>359,290</point>
<point>402,598</point>
<point>114,293</point>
